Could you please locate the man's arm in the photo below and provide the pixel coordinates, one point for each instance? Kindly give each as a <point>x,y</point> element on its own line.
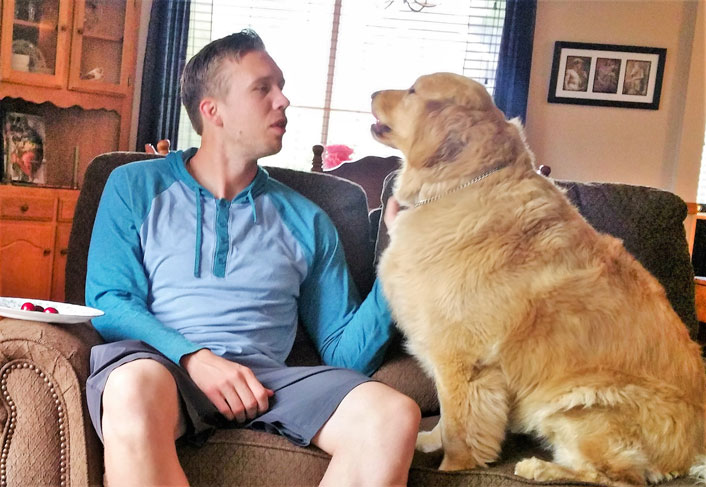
<point>115,278</point>
<point>347,332</point>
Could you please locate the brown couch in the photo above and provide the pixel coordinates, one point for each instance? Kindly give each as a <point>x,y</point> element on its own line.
<point>47,438</point>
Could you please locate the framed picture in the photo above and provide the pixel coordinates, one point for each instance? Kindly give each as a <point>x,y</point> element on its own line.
<point>607,75</point>
<point>23,137</point>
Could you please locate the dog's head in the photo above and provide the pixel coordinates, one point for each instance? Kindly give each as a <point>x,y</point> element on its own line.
<point>447,126</point>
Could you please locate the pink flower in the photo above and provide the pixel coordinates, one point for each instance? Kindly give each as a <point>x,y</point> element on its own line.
<point>335,155</point>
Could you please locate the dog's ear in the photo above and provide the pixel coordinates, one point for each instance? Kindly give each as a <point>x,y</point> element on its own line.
<point>445,134</point>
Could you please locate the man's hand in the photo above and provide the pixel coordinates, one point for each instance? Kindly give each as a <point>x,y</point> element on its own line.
<point>231,387</point>
<point>391,210</point>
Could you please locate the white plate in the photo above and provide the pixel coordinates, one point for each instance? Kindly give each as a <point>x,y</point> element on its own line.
<point>68,313</point>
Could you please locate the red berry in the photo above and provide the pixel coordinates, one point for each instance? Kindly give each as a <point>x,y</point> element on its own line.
<point>49,309</point>
<point>38,308</point>
<point>27,306</point>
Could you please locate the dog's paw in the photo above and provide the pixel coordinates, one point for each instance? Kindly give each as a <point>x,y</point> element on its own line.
<point>530,468</point>
<point>429,441</point>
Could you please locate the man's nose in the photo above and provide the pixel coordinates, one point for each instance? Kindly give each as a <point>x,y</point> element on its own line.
<point>282,101</point>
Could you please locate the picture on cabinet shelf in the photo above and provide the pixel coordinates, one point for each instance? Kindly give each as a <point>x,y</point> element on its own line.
<point>24,138</point>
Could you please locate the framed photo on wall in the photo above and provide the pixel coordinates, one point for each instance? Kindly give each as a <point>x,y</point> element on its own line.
<point>24,144</point>
<point>607,75</point>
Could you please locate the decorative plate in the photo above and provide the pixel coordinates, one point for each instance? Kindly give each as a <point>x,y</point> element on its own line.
<point>67,313</point>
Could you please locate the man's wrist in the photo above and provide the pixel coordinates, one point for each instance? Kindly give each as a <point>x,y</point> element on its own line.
<point>186,358</point>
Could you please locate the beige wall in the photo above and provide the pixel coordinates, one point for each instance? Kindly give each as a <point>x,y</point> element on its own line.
<point>660,148</point>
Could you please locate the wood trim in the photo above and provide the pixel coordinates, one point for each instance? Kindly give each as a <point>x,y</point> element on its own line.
<point>60,98</point>
<point>331,71</point>
<point>700,298</point>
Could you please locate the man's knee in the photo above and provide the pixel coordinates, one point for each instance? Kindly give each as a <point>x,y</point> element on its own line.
<point>390,411</point>
<point>139,396</point>
<point>401,413</point>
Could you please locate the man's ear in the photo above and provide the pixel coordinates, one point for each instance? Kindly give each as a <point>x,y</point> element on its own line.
<point>209,112</point>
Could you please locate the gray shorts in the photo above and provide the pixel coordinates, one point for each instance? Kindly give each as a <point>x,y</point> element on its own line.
<point>304,399</point>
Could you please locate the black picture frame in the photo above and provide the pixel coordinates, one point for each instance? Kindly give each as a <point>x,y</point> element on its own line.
<point>607,75</point>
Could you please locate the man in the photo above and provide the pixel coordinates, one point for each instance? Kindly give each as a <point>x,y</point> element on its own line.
<point>202,264</point>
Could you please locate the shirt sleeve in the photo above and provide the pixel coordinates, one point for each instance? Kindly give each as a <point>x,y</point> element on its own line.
<point>347,332</point>
<point>115,278</point>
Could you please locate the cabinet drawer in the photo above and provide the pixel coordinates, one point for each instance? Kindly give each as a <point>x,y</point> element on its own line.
<point>66,209</point>
<point>27,208</point>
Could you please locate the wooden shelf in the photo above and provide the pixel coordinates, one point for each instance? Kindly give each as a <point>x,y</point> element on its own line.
<point>36,25</point>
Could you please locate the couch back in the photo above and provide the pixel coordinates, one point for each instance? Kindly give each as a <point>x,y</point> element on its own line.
<point>343,201</point>
<point>650,222</point>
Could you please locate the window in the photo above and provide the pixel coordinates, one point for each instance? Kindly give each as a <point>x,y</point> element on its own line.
<point>336,53</point>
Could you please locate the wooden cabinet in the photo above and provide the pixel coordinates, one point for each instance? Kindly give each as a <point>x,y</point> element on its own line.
<point>35,224</point>
<point>72,63</point>
<point>69,64</point>
<point>84,45</point>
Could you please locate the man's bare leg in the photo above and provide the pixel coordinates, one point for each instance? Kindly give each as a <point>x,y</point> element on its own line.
<point>370,437</point>
<point>141,421</point>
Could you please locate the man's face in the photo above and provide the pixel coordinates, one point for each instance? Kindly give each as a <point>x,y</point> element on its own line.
<point>252,110</point>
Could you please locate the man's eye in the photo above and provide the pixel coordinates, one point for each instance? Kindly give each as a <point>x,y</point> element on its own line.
<point>262,88</point>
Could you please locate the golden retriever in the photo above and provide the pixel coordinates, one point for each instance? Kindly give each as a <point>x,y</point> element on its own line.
<point>524,315</point>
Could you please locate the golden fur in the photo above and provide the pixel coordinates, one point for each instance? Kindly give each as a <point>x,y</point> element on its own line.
<point>524,315</point>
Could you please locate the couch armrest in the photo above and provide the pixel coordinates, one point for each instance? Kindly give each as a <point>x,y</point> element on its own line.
<point>47,437</point>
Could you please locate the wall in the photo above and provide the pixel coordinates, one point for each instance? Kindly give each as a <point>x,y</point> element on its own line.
<point>660,148</point>
<point>654,148</point>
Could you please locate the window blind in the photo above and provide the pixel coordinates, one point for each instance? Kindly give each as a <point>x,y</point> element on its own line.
<point>336,53</point>
<point>701,192</point>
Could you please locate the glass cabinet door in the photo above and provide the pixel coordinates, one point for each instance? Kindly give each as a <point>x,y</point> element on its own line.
<point>103,36</point>
<point>35,41</point>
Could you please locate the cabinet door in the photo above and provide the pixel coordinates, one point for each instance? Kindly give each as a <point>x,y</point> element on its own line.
<point>35,42</point>
<point>26,257</point>
<point>103,40</point>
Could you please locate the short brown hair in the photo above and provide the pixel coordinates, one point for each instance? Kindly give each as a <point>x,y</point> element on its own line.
<point>203,76</point>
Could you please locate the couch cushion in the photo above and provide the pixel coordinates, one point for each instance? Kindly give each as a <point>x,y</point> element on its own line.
<point>253,458</point>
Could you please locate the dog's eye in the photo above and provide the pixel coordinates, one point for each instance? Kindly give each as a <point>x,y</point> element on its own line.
<point>411,90</point>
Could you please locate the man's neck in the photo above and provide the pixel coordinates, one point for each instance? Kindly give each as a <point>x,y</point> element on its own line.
<point>222,174</point>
